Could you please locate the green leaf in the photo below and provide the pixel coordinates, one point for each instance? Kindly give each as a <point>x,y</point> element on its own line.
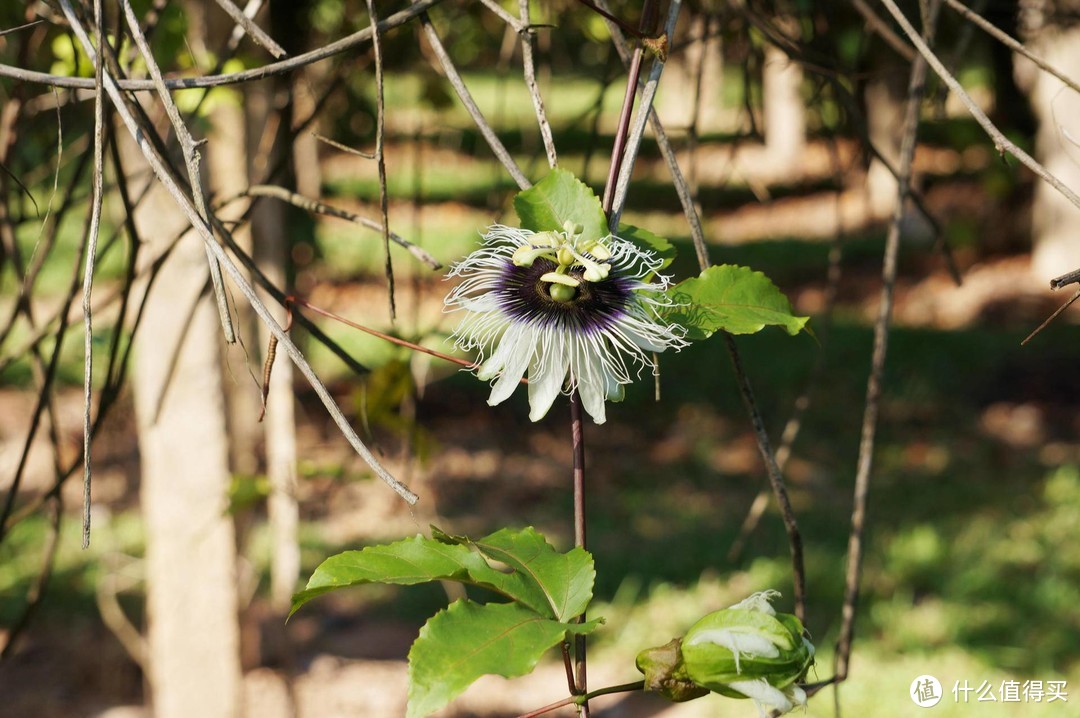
<point>468,640</point>
<point>417,560</point>
<point>558,198</point>
<point>644,239</point>
<point>733,299</point>
<point>564,581</point>
<point>442,537</point>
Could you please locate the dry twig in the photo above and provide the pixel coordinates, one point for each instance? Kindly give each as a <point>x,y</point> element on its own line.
<point>140,133</point>
<point>853,572</point>
<point>454,77</point>
<point>88,275</point>
<point>191,160</point>
<point>357,39</point>
<point>256,33</point>
<point>1002,143</point>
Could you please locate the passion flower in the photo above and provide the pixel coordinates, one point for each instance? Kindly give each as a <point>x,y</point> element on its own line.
<point>571,312</point>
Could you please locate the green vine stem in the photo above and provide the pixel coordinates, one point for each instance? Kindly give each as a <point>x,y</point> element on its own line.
<point>583,699</point>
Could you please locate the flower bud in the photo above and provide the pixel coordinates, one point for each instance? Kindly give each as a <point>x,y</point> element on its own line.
<point>750,651</point>
<point>666,675</point>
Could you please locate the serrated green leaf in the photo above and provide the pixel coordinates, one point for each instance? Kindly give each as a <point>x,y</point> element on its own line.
<point>564,580</point>
<point>644,239</point>
<point>558,198</point>
<point>733,299</point>
<point>417,560</point>
<point>468,640</point>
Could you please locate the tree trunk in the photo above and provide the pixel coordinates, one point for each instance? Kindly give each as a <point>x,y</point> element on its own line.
<point>691,90</point>
<point>279,423</point>
<point>1056,248</point>
<point>785,108</point>
<point>884,97</point>
<point>190,543</point>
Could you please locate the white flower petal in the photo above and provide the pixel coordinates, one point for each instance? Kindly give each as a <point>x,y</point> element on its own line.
<point>763,694</point>
<point>795,694</point>
<point>546,377</point>
<point>494,364</point>
<point>760,602</point>
<point>739,642</point>
<point>592,399</point>
<point>516,363</point>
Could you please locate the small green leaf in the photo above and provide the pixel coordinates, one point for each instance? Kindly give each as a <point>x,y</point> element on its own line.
<point>442,537</point>
<point>558,198</point>
<point>468,640</point>
<point>644,239</point>
<point>733,299</point>
<point>564,580</point>
<point>417,560</point>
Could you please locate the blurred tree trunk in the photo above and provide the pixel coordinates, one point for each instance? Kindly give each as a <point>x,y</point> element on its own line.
<point>269,224</point>
<point>190,542</point>
<point>693,77</point>
<point>785,108</point>
<point>1051,31</point>
<point>184,436</point>
<point>884,96</point>
<point>294,100</point>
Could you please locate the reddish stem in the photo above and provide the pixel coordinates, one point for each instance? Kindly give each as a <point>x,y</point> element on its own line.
<point>392,339</point>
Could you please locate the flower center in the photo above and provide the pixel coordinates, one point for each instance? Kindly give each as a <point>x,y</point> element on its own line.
<point>589,262</point>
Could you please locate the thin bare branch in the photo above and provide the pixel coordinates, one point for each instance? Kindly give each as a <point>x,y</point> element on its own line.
<point>519,26</point>
<point>853,572</point>
<point>343,148</point>
<point>191,160</point>
<point>46,238</point>
<point>120,353</point>
<point>682,189</point>
<point>256,33</point>
<point>746,391</point>
<point>313,205</point>
<point>48,372</point>
<point>1052,317</point>
<point>621,136</point>
<point>802,403</point>
<point>380,158</point>
<point>88,274</point>
<point>637,131</point>
<point>250,11</point>
<point>1001,143</point>
<point>531,84</point>
<point>697,235</point>
<point>167,180</point>
<point>276,68</point>
<point>37,590</point>
<point>776,477</point>
<point>883,29</point>
<point>19,28</point>
<point>1008,41</point>
<point>463,94</point>
<point>386,337</point>
<point>1065,279</point>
